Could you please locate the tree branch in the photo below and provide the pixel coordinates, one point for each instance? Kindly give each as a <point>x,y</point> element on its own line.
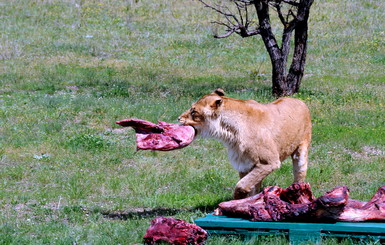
<point>225,35</point>
<point>234,24</point>
<point>248,2</point>
<point>291,2</point>
<point>239,7</point>
<point>227,15</point>
<point>247,17</point>
<point>280,15</point>
<point>222,24</point>
<point>247,33</point>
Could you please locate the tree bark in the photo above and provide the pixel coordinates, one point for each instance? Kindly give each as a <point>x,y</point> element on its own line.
<point>276,55</point>
<point>285,83</point>
<point>297,67</point>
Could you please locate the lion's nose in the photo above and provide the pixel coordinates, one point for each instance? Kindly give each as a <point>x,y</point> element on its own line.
<point>181,120</point>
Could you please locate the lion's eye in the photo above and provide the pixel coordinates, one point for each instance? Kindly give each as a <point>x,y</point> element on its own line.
<point>193,113</point>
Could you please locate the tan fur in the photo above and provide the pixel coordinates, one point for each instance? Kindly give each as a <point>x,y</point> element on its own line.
<point>258,136</point>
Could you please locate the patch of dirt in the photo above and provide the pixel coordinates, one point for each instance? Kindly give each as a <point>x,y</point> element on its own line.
<point>370,150</point>
<point>119,130</point>
<point>140,212</point>
<point>366,153</point>
<point>73,88</point>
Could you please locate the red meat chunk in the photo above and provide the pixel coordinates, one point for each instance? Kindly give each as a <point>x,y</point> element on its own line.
<point>174,231</point>
<point>160,137</point>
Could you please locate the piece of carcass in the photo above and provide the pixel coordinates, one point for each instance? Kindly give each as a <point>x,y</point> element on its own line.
<point>174,231</point>
<point>361,211</point>
<point>297,203</point>
<point>161,137</point>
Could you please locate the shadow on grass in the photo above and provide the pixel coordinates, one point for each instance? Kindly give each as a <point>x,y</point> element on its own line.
<point>135,213</point>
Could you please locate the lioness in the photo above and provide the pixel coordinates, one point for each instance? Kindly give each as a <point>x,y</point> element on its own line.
<point>258,136</point>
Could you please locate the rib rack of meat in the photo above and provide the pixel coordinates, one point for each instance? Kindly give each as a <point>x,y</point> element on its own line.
<point>161,137</point>
<point>297,203</point>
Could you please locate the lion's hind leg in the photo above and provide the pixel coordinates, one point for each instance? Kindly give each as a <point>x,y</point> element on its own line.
<point>300,162</point>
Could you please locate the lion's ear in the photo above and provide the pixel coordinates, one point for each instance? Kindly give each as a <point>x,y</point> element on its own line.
<point>216,104</point>
<point>219,92</point>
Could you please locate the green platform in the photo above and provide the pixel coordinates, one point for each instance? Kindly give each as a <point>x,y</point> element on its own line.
<point>297,232</point>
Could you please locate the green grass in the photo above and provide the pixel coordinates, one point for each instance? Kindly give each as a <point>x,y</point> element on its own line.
<point>70,69</point>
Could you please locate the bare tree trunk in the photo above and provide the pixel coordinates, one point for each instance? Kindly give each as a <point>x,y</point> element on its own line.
<point>285,83</point>
<point>294,19</point>
<point>277,57</point>
<point>297,67</point>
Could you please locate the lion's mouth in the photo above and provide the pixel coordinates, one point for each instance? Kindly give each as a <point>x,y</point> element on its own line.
<point>186,124</point>
<point>195,130</point>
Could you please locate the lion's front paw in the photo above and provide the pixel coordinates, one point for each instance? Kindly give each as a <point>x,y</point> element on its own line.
<point>240,193</point>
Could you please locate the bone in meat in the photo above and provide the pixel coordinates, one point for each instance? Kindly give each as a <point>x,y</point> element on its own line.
<point>372,210</point>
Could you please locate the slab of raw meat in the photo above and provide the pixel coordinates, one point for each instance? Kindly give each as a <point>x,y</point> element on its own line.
<point>372,210</point>
<point>160,137</point>
<point>297,203</point>
<point>174,231</point>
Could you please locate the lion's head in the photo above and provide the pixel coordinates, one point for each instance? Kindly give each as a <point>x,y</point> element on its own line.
<point>203,111</point>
